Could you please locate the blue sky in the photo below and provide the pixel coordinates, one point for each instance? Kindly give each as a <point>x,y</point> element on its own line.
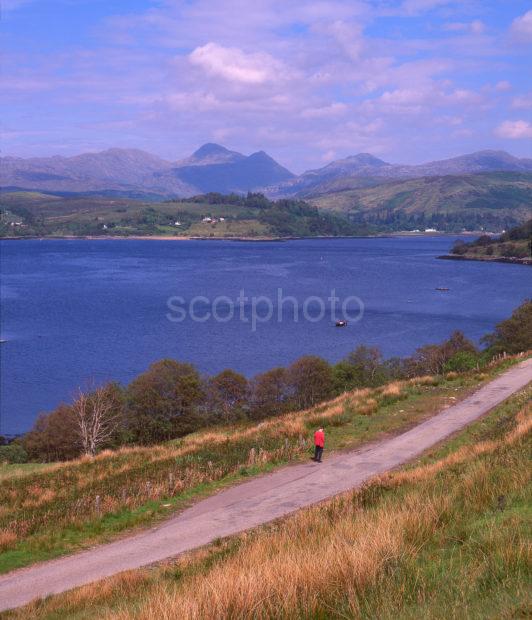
<point>307,81</point>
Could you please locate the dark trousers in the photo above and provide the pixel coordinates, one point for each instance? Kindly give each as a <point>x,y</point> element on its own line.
<point>318,451</point>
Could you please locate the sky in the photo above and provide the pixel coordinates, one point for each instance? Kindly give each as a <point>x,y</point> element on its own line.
<point>307,81</point>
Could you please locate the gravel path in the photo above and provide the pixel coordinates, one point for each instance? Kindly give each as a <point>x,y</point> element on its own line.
<point>255,502</point>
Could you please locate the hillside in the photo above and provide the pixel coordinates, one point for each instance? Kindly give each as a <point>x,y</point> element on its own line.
<point>515,245</point>
<point>26,214</point>
<point>365,170</point>
<point>459,511</point>
<point>490,201</point>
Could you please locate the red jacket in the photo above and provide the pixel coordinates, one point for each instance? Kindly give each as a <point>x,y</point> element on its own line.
<point>319,439</point>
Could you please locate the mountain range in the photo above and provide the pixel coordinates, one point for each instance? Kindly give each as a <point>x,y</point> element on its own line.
<point>213,168</point>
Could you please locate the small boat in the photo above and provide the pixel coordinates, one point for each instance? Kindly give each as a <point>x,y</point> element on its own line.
<point>442,288</point>
<point>341,323</point>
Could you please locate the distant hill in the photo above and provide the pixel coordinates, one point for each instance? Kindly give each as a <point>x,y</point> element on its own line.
<point>211,168</point>
<point>486,201</point>
<point>364,169</point>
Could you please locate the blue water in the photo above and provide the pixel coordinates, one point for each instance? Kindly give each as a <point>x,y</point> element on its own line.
<point>76,312</point>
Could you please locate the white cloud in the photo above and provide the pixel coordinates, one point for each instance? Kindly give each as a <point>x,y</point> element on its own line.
<point>234,65</point>
<point>522,26</point>
<point>514,129</point>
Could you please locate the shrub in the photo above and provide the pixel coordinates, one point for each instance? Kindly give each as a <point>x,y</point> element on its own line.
<point>461,361</point>
<point>53,437</point>
<point>13,453</point>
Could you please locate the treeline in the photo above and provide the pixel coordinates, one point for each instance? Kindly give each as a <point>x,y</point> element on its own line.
<point>516,242</point>
<point>287,217</point>
<point>390,218</point>
<point>252,200</point>
<point>172,399</point>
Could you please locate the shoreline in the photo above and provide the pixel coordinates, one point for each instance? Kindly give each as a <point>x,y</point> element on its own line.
<point>256,239</point>
<point>511,260</point>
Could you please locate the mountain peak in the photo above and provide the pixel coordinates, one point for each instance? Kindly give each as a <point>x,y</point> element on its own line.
<point>367,159</point>
<point>261,155</point>
<point>211,153</point>
<point>210,148</point>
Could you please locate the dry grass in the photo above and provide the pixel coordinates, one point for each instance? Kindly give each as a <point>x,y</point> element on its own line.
<point>130,476</point>
<point>8,539</point>
<point>430,542</point>
<point>306,561</point>
<point>342,551</point>
<point>57,510</point>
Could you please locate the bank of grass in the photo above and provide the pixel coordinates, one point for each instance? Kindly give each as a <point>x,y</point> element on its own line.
<point>446,537</point>
<point>68,506</point>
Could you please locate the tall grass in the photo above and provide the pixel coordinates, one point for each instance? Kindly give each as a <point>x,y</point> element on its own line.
<point>447,538</point>
<point>47,513</point>
<point>380,552</point>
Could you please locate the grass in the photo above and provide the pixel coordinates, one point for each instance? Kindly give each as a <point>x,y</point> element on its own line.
<point>44,514</point>
<point>21,469</point>
<point>446,537</point>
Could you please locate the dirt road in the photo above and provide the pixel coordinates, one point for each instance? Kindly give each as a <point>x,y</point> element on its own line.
<point>255,502</point>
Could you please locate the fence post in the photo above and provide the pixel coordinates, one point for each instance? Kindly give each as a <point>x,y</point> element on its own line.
<point>171,481</point>
<point>123,496</point>
<point>97,505</point>
<point>148,488</point>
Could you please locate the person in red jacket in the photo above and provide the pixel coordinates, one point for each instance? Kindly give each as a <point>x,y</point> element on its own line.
<point>319,444</point>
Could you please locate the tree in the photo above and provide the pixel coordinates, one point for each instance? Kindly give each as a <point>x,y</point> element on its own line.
<point>97,417</point>
<point>163,402</point>
<point>269,393</point>
<point>431,358</point>
<point>227,395</point>
<point>362,367</point>
<point>310,380</point>
<point>514,334</point>
<point>53,437</point>
<point>458,343</point>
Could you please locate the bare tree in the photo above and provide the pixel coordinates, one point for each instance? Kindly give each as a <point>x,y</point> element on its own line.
<point>97,417</point>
